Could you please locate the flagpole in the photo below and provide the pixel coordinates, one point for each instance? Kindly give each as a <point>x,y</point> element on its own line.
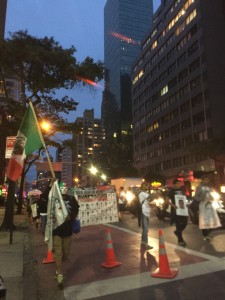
<point>40,133</point>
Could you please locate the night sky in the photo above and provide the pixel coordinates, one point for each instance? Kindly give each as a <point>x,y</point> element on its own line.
<point>71,22</point>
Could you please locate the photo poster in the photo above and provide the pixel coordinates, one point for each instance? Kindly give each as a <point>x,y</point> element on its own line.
<point>97,207</point>
<point>181,204</point>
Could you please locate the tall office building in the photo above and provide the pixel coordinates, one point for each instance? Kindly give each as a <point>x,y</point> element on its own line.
<point>178,88</point>
<point>86,144</point>
<point>126,24</point>
<point>67,167</point>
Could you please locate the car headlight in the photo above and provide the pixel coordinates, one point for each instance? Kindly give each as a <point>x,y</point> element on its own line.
<point>159,201</point>
<point>215,195</point>
<point>129,197</point>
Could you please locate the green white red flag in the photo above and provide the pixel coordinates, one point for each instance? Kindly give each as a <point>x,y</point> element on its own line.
<point>56,212</point>
<point>28,139</point>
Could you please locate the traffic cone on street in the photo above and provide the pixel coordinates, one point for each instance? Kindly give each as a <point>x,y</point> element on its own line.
<point>49,259</point>
<point>110,256</point>
<point>164,270</point>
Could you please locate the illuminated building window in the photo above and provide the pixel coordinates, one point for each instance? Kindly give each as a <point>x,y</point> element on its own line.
<point>150,128</point>
<point>135,79</point>
<point>141,73</point>
<point>164,90</point>
<point>154,45</point>
<point>156,125</point>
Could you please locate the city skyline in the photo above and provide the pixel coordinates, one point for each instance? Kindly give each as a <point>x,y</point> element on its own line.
<point>68,25</point>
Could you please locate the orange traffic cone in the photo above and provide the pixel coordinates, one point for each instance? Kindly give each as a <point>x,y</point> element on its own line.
<point>164,270</point>
<point>49,259</point>
<point>110,256</point>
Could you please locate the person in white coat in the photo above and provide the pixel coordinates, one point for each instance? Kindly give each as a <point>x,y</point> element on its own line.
<point>208,217</point>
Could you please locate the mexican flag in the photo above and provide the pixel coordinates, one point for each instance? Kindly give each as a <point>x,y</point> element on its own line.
<point>28,139</point>
<point>56,212</point>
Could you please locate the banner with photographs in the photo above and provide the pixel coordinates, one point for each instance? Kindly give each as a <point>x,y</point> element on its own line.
<point>181,204</point>
<point>97,206</point>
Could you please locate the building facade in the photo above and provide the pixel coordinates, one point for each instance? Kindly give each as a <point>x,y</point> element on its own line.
<point>86,144</point>
<point>126,24</point>
<point>177,88</point>
<point>67,167</point>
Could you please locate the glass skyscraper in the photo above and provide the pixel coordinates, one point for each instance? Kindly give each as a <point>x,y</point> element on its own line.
<point>126,24</point>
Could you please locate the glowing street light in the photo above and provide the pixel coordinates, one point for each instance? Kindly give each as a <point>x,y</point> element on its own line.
<point>45,125</point>
<point>93,170</point>
<point>76,180</point>
<point>103,177</point>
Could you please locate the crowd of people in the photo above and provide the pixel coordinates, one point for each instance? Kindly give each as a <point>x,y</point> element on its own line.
<point>179,208</point>
<point>138,202</point>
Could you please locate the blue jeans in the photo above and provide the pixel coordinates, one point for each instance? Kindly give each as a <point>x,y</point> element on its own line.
<point>144,224</point>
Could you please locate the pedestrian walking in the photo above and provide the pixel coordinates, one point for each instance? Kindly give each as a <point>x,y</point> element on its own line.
<point>62,235</point>
<point>42,204</point>
<point>176,211</point>
<point>33,210</point>
<point>208,217</point>
<point>145,198</point>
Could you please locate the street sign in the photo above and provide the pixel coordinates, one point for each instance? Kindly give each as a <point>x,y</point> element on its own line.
<point>10,140</point>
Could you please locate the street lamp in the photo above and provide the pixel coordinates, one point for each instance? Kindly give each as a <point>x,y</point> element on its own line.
<point>76,180</point>
<point>45,125</point>
<point>93,170</point>
<point>103,177</point>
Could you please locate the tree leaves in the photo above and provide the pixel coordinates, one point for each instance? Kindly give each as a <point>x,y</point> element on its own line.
<point>43,66</point>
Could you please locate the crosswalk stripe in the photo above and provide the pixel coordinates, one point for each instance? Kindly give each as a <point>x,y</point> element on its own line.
<point>137,281</point>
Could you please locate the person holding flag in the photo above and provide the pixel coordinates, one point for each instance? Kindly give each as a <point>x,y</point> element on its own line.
<point>29,139</point>
<point>62,210</point>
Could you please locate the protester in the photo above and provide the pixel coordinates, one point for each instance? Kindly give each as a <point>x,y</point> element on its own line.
<point>121,203</point>
<point>208,218</point>
<point>145,198</point>
<point>179,220</point>
<point>135,204</point>
<point>33,212</point>
<point>62,235</point>
<point>42,205</point>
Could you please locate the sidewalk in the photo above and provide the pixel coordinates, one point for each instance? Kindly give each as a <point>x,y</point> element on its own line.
<point>15,258</point>
<point>26,277</point>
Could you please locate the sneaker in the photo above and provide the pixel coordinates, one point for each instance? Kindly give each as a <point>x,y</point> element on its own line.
<point>206,238</point>
<point>60,279</point>
<point>148,247</point>
<point>182,244</point>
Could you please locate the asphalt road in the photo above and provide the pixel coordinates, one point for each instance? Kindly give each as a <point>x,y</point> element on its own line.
<point>201,265</point>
